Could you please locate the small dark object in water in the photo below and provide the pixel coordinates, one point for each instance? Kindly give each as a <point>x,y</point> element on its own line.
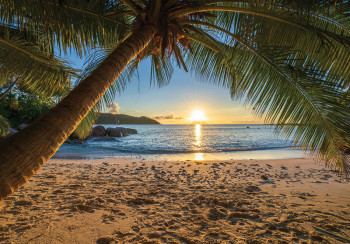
<point>248,127</point>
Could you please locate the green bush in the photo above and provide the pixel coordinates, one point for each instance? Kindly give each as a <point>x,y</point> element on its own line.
<point>21,107</point>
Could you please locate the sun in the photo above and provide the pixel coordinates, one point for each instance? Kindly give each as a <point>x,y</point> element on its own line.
<point>197,116</point>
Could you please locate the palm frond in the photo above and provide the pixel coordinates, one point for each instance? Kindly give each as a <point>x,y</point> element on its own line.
<point>72,25</point>
<point>305,108</point>
<point>36,70</point>
<point>275,25</point>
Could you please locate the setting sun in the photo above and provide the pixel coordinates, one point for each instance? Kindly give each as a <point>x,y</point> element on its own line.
<point>197,116</point>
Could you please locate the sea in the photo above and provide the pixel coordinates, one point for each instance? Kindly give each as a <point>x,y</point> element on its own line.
<point>190,142</point>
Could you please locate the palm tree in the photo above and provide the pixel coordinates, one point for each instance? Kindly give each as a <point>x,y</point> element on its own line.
<point>290,58</point>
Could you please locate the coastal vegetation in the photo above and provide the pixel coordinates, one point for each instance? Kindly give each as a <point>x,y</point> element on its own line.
<point>24,107</point>
<point>107,118</point>
<point>289,58</point>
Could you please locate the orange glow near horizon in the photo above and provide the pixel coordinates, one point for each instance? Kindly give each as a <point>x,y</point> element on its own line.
<point>197,116</point>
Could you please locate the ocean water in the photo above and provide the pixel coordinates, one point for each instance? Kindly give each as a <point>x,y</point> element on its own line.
<point>195,142</point>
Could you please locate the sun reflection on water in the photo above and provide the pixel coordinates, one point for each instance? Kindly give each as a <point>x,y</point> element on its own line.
<point>198,135</point>
<point>197,141</point>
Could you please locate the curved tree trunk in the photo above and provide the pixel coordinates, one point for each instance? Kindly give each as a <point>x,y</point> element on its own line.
<point>24,153</point>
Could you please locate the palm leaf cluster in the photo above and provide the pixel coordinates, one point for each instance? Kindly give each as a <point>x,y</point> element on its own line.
<point>33,33</point>
<point>290,59</point>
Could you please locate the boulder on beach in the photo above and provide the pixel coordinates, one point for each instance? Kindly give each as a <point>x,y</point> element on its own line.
<point>131,131</point>
<point>114,132</point>
<point>73,136</point>
<point>123,130</point>
<point>98,131</point>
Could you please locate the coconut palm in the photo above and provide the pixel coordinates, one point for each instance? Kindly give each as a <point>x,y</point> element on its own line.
<point>289,58</point>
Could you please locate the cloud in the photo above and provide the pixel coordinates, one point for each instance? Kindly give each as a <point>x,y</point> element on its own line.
<point>170,116</point>
<point>134,111</point>
<point>113,108</point>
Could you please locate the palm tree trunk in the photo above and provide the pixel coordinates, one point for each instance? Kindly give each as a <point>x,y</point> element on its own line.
<point>24,153</point>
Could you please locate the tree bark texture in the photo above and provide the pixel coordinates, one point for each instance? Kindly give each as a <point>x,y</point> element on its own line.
<point>24,153</point>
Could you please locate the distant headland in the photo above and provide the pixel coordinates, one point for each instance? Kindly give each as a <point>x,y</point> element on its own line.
<point>107,118</point>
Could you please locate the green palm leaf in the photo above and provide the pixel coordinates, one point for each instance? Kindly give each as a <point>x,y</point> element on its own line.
<point>306,108</point>
<point>71,25</point>
<point>36,70</point>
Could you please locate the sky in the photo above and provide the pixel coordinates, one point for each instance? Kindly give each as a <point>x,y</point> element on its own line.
<point>176,102</point>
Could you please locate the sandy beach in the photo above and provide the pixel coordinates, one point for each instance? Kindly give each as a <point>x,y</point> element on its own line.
<point>128,201</point>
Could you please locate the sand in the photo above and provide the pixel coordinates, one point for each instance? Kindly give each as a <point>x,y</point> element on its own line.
<point>126,201</point>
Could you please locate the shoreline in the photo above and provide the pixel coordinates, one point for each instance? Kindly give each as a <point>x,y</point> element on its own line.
<point>267,154</point>
<point>211,201</point>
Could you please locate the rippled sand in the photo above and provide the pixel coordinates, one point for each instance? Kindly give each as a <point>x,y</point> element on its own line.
<point>121,201</point>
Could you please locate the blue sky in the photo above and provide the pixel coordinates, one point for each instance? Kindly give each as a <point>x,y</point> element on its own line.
<point>177,101</point>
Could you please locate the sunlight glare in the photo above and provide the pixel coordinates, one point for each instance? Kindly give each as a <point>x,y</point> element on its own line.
<point>197,116</point>
<point>198,156</point>
<point>198,134</point>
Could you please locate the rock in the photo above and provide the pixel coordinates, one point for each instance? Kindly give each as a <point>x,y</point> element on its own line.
<point>114,132</point>
<point>131,131</point>
<point>68,141</point>
<point>98,131</point>
<point>123,130</point>
<point>73,136</point>
<point>21,127</point>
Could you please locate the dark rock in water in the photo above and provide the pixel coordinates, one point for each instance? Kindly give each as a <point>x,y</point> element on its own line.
<point>123,130</point>
<point>103,138</point>
<point>75,142</point>
<point>73,136</point>
<point>131,131</point>
<point>98,131</point>
<point>21,127</point>
<point>114,132</point>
